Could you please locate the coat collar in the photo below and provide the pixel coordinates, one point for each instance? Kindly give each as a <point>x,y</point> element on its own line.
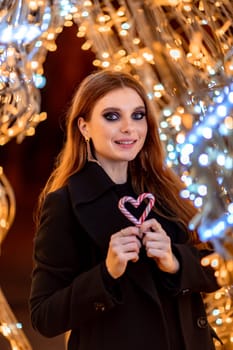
<point>95,205</point>
<point>89,183</point>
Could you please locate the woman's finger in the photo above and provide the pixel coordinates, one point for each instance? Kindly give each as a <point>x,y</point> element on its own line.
<point>150,225</point>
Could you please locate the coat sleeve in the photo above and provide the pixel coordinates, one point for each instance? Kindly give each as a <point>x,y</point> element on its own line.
<point>192,276</point>
<point>66,289</point>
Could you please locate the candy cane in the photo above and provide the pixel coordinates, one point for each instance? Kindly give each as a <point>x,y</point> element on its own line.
<point>136,203</point>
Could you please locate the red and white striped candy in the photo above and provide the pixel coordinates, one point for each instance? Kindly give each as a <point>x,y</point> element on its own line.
<point>136,203</point>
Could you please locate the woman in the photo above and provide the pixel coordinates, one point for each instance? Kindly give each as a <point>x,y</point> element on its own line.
<point>113,284</point>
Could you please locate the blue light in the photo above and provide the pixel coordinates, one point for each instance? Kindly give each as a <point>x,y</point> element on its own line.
<point>230,208</point>
<point>221,111</point>
<point>187,149</point>
<point>224,131</point>
<point>230,97</point>
<point>38,43</point>
<point>230,219</point>
<point>202,190</point>
<point>185,193</point>
<point>221,159</point>
<point>164,124</point>
<point>125,26</point>
<point>215,228</point>
<point>219,227</point>
<point>203,159</point>
<point>198,202</point>
<point>39,81</point>
<point>207,133</point>
<point>184,159</point>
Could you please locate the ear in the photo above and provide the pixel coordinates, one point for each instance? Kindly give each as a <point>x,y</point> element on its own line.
<point>82,125</point>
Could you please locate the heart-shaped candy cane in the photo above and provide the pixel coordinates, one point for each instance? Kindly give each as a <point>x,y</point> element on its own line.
<point>136,203</point>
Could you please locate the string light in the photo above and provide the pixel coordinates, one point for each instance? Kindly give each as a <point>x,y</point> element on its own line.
<point>181,50</point>
<point>10,328</point>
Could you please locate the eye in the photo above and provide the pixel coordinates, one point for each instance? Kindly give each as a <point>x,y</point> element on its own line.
<point>138,115</point>
<point>111,115</point>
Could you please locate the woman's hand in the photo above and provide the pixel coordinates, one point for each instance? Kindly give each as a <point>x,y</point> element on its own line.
<point>158,246</point>
<point>124,246</point>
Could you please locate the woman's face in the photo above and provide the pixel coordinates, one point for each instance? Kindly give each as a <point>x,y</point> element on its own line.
<point>117,127</point>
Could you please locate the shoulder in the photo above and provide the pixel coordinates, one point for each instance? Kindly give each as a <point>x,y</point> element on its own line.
<point>58,196</point>
<point>57,204</point>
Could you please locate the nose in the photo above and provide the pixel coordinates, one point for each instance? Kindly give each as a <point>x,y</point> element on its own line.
<point>126,124</point>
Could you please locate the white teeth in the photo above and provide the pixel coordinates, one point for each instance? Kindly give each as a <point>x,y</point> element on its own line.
<point>125,142</point>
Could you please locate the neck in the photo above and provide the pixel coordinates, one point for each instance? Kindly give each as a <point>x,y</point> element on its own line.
<point>117,178</point>
<point>117,174</point>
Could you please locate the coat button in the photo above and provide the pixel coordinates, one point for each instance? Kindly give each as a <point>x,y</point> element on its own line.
<point>185,291</point>
<point>202,322</point>
<point>99,306</point>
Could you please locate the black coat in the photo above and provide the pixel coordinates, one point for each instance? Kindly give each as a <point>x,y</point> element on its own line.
<point>68,289</point>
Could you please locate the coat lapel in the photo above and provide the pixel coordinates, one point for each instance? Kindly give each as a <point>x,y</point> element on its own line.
<point>95,205</point>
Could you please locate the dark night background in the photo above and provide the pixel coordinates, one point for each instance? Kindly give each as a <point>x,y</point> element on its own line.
<point>27,167</point>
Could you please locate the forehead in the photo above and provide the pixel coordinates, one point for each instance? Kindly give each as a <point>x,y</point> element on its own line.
<point>120,97</point>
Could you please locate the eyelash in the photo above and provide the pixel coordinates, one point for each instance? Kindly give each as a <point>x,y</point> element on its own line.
<point>112,116</point>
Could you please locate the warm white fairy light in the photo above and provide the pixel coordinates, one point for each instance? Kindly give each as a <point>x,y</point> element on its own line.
<point>182,55</point>
<point>219,305</point>
<point>10,328</point>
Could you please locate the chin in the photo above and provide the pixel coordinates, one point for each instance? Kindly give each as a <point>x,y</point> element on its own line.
<point>129,159</point>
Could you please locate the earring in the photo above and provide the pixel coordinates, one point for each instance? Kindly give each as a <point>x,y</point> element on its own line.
<point>88,147</point>
<point>90,157</point>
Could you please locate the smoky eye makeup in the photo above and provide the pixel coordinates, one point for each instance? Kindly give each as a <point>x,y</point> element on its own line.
<point>139,114</point>
<point>111,114</point>
<point>115,114</point>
